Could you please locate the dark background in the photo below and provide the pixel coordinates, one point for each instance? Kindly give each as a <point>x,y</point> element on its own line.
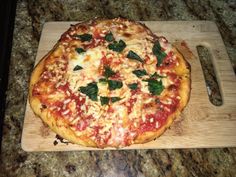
<point>7,17</point>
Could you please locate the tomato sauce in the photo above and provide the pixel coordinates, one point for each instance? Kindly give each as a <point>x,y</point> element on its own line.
<point>157,120</point>
<point>97,34</point>
<point>84,122</point>
<point>101,139</point>
<point>105,61</point>
<point>168,62</point>
<point>131,104</point>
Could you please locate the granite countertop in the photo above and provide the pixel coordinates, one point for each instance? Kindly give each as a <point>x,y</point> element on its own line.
<point>30,17</point>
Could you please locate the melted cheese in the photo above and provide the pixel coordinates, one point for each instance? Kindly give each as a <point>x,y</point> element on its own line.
<point>116,122</point>
<point>89,61</point>
<point>167,82</point>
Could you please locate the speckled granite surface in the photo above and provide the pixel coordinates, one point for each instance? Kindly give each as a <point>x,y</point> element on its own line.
<point>185,162</point>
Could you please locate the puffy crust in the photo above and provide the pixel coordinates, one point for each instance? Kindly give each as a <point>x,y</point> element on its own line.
<point>61,126</point>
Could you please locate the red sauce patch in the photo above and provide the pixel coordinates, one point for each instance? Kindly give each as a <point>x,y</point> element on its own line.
<point>97,34</point>
<point>101,139</point>
<point>151,120</point>
<point>169,62</point>
<point>83,123</point>
<point>105,61</point>
<point>161,116</point>
<point>131,104</point>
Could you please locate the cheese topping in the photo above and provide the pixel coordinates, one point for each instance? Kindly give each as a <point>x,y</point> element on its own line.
<point>113,84</point>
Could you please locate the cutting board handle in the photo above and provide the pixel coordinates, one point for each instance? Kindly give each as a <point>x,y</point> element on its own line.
<point>223,70</point>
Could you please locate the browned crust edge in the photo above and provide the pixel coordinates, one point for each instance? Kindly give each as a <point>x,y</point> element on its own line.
<point>61,128</point>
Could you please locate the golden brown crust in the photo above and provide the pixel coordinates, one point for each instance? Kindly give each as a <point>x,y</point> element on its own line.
<point>61,127</point>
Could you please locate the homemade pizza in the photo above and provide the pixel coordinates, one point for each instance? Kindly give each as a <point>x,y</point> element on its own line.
<point>110,83</point>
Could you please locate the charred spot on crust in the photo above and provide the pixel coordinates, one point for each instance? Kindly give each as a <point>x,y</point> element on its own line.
<point>127,35</point>
<point>82,27</point>
<point>172,87</point>
<point>125,26</point>
<point>43,106</point>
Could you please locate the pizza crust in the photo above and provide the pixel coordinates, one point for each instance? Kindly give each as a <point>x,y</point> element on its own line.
<point>60,126</point>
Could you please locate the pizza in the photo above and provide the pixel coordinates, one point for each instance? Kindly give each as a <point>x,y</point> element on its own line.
<point>110,83</point>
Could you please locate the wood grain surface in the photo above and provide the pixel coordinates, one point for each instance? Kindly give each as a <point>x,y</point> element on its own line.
<point>201,125</point>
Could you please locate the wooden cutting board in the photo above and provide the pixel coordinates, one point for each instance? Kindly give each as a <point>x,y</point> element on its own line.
<point>201,125</point>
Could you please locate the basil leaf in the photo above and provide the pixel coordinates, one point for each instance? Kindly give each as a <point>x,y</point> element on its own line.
<point>103,80</point>
<point>160,58</point>
<point>104,100</point>
<point>77,67</point>
<point>134,56</point>
<point>91,90</point>
<point>108,72</point>
<point>113,85</point>
<point>84,37</point>
<point>109,37</point>
<point>115,99</point>
<point>80,50</point>
<point>133,86</point>
<point>155,87</point>
<point>139,73</point>
<point>155,76</point>
<point>156,50</point>
<point>117,46</point>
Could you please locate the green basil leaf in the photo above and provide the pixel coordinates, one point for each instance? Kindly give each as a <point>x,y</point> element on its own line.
<point>103,80</point>
<point>156,50</point>
<point>77,67</point>
<point>113,85</point>
<point>84,37</point>
<point>91,90</point>
<point>80,50</point>
<point>115,99</point>
<point>155,87</point>
<point>133,86</point>
<point>104,100</point>
<point>117,46</point>
<point>108,72</point>
<point>134,56</point>
<point>156,76</point>
<point>139,73</point>
<point>109,37</point>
